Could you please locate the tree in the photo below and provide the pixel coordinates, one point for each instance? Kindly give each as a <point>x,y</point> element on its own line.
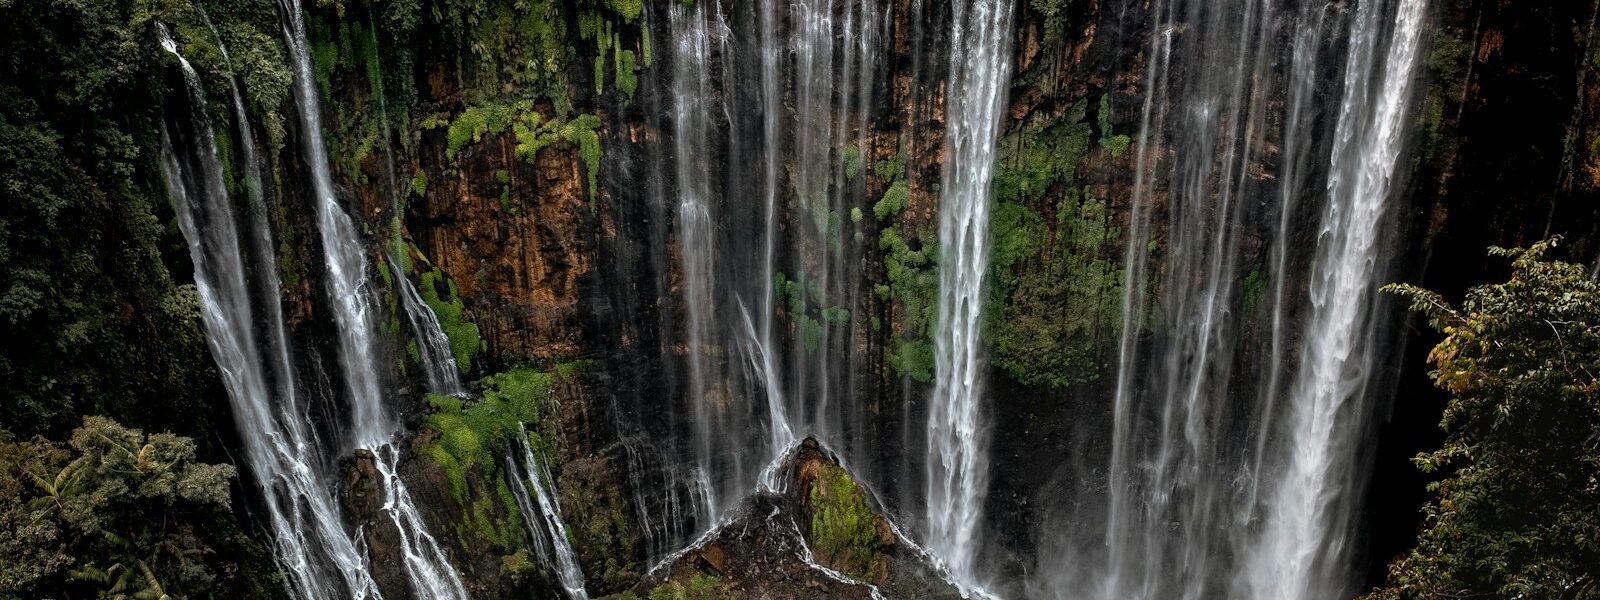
<point>1516,513</point>
<point>114,514</point>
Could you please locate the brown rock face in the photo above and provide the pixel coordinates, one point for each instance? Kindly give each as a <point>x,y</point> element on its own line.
<point>515,238</point>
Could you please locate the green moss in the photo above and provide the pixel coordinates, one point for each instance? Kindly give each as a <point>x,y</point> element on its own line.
<point>836,315</point>
<point>644,47</point>
<point>517,564</point>
<point>628,9</point>
<point>533,133</point>
<point>478,121</point>
<point>844,530</point>
<point>913,284</point>
<point>1253,290</point>
<point>567,369</point>
<point>1114,143</point>
<point>893,201</point>
<point>627,75</point>
<point>810,332</point>
<point>1055,297</point>
<point>503,177</point>
<point>582,131</point>
<point>450,310</point>
<point>474,434</point>
<point>453,471</point>
<point>852,163</point>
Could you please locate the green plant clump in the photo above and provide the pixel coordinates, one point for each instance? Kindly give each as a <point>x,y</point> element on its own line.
<point>913,276</point>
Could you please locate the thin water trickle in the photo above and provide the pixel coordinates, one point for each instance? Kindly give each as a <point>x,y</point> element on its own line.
<point>545,524</point>
<point>433,347</point>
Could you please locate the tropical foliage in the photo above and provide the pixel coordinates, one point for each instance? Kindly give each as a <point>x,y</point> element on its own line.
<point>1516,512</point>
<point>116,513</point>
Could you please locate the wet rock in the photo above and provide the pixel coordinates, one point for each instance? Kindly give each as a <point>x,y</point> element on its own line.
<point>776,548</point>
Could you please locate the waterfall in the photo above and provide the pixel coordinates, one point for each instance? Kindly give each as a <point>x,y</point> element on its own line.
<point>427,568</point>
<point>691,111</point>
<point>1170,467</point>
<point>1307,540</point>
<point>433,348</point>
<point>545,524</point>
<point>1240,409</point>
<point>309,539</point>
<point>980,67</point>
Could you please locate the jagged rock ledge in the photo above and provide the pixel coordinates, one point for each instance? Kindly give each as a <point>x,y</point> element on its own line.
<point>822,536</point>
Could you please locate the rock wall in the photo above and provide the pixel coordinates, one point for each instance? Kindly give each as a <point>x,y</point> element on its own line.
<point>529,265</point>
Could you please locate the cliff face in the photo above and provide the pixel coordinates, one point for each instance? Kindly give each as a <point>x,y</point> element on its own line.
<point>548,270</point>
<point>521,163</point>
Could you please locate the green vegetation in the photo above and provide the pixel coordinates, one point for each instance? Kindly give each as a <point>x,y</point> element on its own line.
<point>533,133</point>
<point>1513,514</point>
<point>802,298</point>
<point>465,344</point>
<point>478,121</point>
<point>913,274</point>
<point>911,270</point>
<point>116,513</point>
<point>503,177</point>
<point>473,436</point>
<point>702,586</point>
<point>844,530</point>
<point>1115,144</point>
<point>419,184</point>
<point>1055,295</point>
<point>1056,16</point>
<point>94,321</point>
<point>852,162</point>
<point>893,200</point>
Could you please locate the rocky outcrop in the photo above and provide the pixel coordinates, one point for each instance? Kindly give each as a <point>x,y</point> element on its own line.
<point>821,537</point>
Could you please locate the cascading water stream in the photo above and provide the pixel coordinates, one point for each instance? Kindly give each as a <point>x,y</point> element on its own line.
<point>309,539</point>
<point>1222,483</point>
<point>957,467</point>
<point>427,568</point>
<point>1305,548</point>
<point>433,347</point>
<point>545,524</point>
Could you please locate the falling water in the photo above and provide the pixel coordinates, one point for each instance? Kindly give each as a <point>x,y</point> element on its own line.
<point>433,348</point>
<point>1232,460</point>
<point>544,524</point>
<point>426,567</point>
<point>1306,545</point>
<point>309,539</point>
<point>691,109</point>
<point>980,67</point>
<point>1170,470</point>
